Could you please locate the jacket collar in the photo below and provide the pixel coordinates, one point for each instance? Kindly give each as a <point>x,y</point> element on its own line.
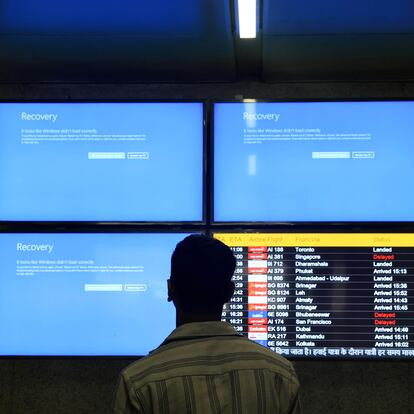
<point>196,330</point>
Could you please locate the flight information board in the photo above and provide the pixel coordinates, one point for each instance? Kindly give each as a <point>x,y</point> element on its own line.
<point>324,295</point>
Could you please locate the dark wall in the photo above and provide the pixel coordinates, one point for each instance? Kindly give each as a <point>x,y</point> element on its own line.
<point>85,385</point>
<point>209,91</point>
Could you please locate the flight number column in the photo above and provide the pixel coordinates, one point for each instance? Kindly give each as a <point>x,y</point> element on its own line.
<point>267,301</point>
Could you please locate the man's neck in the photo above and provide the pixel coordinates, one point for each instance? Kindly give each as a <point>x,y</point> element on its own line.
<point>189,317</point>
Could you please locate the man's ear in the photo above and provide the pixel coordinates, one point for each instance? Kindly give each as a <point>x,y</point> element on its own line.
<point>170,290</point>
<point>230,291</point>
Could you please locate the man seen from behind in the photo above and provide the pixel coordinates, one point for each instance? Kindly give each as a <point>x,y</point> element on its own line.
<point>204,365</point>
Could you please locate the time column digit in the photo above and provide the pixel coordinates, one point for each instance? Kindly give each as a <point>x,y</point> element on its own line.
<point>235,312</point>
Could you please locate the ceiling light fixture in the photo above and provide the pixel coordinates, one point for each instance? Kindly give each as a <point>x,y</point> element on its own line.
<point>247,18</point>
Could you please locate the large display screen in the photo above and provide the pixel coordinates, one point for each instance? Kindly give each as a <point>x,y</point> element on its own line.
<point>313,161</point>
<point>324,295</point>
<point>84,294</point>
<point>101,162</point>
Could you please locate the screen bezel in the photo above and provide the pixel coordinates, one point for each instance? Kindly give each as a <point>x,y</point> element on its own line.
<point>288,224</point>
<point>326,230</point>
<point>93,230</point>
<point>66,223</point>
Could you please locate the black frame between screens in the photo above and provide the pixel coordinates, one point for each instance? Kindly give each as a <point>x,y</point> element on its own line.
<point>38,225</point>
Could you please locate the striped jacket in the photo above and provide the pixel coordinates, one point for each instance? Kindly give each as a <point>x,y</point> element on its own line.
<point>207,367</point>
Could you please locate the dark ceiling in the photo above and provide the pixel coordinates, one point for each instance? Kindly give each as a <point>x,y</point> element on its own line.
<point>197,40</point>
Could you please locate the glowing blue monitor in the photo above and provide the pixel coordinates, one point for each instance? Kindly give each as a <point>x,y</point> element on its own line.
<point>85,294</point>
<point>101,162</point>
<point>313,161</point>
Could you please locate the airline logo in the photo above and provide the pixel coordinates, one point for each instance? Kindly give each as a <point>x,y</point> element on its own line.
<point>257,314</point>
<point>257,278</point>
<point>261,342</point>
<point>260,336</point>
<point>257,299</point>
<point>252,256</point>
<point>257,321</point>
<point>258,270</point>
<point>257,263</point>
<point>257,329</point>
<point>257,307</point>
<point>257,249</point>
<point>257,289</point>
